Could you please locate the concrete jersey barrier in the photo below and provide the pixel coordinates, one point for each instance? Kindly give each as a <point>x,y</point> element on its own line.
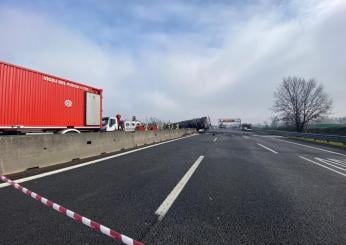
<point>19,153</point>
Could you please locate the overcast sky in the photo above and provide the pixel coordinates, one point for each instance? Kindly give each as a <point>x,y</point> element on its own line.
<point>176,60</point>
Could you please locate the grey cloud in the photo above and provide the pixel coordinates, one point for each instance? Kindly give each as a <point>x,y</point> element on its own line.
<point>230,67</point>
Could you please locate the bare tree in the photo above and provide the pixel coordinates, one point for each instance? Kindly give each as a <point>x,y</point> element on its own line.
<point>299,102</point>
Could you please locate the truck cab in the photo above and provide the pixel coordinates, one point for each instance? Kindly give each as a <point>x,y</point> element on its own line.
<point>109,124</point>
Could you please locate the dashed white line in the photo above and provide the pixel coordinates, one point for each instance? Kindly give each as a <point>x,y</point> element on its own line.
<point>312,147</point>
<point>168,202</point>
<point>306,159</point>
<point>90,162</point>
<point>214,140</point>
<point>267,148</point>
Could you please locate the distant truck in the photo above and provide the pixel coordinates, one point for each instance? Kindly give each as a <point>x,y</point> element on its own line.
<point>32,101</point>
<point>35,101</point>
<point>200,124</point>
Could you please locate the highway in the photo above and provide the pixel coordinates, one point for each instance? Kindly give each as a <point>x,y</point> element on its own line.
<point>230,187</point>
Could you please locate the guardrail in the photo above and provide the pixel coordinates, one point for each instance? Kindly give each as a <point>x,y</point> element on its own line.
<point>19,153</point>
<point>325,137</point>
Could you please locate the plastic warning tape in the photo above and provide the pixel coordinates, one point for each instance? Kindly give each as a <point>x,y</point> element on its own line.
<point>73,215</point>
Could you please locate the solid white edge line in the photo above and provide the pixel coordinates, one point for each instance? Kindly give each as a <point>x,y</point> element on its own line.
<point>168,202</point>
<point>267,148</point>
<point>312,147</point>
<point>91,162</point>
<point>306,159</point>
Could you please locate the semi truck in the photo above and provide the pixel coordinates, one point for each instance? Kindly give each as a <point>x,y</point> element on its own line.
<point>33,101</point>
<point>200,124</point>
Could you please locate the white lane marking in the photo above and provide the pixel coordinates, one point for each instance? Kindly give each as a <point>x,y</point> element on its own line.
<point>312,147</point>
<point>267,148</point>
<point>90,162</point>
<point>335,162</point>
<point>214,140</point>
<point>339,161</point>
<point>306,159</point>
<point>167,203</point>
<point>329,163</point>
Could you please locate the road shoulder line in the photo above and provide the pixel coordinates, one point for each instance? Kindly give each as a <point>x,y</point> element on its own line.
<point>321,165</point>
<point>312,147</point>
<point>267,148</point>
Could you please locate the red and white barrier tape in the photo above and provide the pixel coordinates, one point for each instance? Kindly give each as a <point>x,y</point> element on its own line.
<point>90,223</point>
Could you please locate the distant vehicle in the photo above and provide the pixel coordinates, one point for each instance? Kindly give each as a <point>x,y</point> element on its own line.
<point>246,127</point>
<point>34,101</point>
<point>200,124</point>
<point>109,124</point>
<point>152,127</point>
<point>130,126</point>
<point>229,123</point>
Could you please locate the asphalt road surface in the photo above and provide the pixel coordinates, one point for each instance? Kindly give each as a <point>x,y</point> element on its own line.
<point>234,188</point>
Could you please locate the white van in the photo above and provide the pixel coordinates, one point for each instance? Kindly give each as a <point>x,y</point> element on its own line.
<point>130,126</point>
<point>109,124</point>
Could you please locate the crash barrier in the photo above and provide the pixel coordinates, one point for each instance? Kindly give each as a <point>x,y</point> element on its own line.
<point>73,215</point>
<point>19,153</point>
<point>325,137</point>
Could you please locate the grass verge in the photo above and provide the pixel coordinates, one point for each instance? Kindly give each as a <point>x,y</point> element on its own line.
<point>322,142</point>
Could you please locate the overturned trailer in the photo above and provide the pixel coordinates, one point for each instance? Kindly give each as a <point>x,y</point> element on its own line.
<point>200,124</point>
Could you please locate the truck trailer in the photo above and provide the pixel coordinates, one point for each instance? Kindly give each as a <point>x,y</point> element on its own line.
<point>200,124</point>
<point>34,101</point>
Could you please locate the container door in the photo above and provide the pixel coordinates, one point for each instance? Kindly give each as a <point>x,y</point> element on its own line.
<point>93,109</point>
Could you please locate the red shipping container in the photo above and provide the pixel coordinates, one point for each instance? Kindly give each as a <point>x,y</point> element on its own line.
<point>33,100</point>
